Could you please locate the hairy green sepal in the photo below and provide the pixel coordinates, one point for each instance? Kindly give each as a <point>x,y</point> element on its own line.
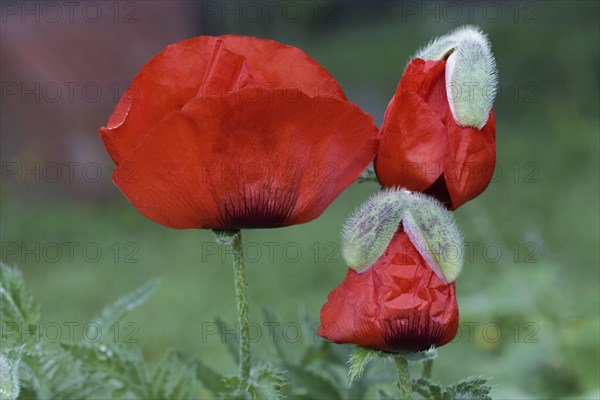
<point>430,227</point>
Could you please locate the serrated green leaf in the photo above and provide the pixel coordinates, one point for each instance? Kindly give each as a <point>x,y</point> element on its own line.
<point>183,387</point>
<point>232,346</point>
<point>436,391</point>
<point>124,305</point>
<point>428,389</point>
<point>172,379</point>
<point>383,395</point>
<point>359,360</point>
<point>278,343</point>
<point>9,378</point>
<point>472,388</point>
<point>51,374</point>
<point>267,383</point>
<point>123,364</point>
<point>232,383</point>
<point>315,385</point>
<point>162,375</point>
<point>210,379</point>
<point>18,315</point>
<point>316,349</point>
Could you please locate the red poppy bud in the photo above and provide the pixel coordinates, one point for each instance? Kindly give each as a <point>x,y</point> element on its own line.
<point>399,303</point>
<point>236,132</point>
<point>439,134</point>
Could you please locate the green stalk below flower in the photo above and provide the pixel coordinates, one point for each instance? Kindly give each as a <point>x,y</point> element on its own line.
<point>233,239</point>
<point>403,377</point>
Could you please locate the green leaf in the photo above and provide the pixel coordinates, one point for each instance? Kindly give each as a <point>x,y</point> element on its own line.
<point>427,389</point>
<point>472,388</point>
<point>183,388</point>
<point>358,361</point>
<point>383,395</point>
<point>9,378</point>
<point>278,342</point>
<point>162,376</point>
<point>124,305</point>
<point>123,364</point>
<point>317,349</point>
<point>51,374</point>
<point>312,383</point>
<point>267,383</point>
<point>232,346</point>
<point>18,316</point>
<point>210,379</point>
<point>172,379</point>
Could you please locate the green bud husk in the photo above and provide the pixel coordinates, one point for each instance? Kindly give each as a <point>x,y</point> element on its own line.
<point>369,230</point>
<point>429,226</point>
<point>471,74</point>
<point>434,233</point>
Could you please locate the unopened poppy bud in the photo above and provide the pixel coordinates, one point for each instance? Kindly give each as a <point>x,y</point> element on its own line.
<point>399,293</point>
<point>438,134</point>
<point>398,304</point>
<point>430,227</point>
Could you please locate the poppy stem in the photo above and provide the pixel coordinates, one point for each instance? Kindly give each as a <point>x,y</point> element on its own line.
<point>427,367</point>
<point>233,239</point>
<point>403,377</point>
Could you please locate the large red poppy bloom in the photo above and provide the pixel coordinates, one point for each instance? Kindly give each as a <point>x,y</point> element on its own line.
<point>399,303</point>
<point>235,132</point>
<point>422,146</point>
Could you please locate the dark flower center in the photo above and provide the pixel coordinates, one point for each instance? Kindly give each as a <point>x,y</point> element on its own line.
<point>439,190</point>
<point>415,333</point>
<point>257,207</point>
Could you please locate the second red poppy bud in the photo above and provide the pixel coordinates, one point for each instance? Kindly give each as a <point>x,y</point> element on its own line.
<point>439,134</point>
<point>404,252</point>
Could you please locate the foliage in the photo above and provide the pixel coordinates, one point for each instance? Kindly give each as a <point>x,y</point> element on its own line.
<point>105,368</point>
<point>100,368</point>
<point>472,388</point>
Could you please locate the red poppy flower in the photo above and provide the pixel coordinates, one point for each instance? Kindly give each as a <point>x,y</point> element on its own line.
<point>399,303</point>
<point>424,149</point>
<point>235,132</point>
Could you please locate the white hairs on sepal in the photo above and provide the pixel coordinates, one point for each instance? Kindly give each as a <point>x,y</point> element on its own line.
<point>430,227</point>
<point>433,231</point>
<point>369,230</point>
<point>471,73</point>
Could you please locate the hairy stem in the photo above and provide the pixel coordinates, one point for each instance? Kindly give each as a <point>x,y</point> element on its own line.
<point>233,239</point>
<point>403,377</point>
<point>427,366</point>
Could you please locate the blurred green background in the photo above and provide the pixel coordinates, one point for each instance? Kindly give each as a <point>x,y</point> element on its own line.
<point>529,293</point>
